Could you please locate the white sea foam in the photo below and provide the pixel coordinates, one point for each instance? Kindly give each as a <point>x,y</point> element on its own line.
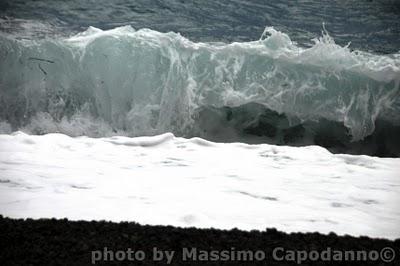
<point>192,182</point>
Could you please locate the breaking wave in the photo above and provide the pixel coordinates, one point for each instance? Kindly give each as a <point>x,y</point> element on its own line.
<point>143,82</point>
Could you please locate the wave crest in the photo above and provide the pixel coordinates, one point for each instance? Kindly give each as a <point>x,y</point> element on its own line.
<point>140,82</point>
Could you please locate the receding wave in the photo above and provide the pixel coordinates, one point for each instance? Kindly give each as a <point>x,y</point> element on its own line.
<point>142,82</point>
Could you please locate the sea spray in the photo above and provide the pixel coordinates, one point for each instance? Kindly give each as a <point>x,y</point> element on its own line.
<point>140,82</point>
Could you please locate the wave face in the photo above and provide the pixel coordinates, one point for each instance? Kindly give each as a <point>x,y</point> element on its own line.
<point>142,82</point>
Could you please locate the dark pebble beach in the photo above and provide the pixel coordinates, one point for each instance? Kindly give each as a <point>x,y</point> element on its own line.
<point>64,242</point>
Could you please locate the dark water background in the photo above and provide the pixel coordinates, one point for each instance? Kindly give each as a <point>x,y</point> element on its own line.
<point>370,25</point>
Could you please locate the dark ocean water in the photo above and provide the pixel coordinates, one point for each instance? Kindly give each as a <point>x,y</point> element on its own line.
<point>370,25</point>
<point>325,72</point>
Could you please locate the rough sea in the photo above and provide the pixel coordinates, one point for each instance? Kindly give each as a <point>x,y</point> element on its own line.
<point>206,113</point>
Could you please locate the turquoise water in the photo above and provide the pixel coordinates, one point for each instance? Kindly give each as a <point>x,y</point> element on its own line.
<point>314,72</point>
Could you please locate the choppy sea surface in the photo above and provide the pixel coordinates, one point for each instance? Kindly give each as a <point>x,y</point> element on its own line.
<point>282,76</point>
<point>369,25</point>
